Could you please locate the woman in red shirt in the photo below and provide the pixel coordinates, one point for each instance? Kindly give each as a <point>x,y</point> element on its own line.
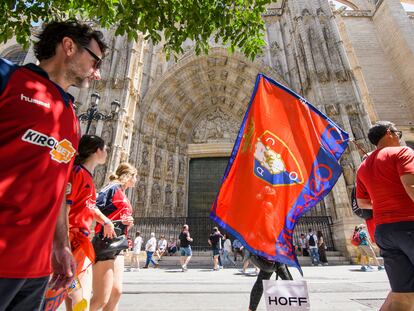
<point>108,269</point>
<point>82,210</point>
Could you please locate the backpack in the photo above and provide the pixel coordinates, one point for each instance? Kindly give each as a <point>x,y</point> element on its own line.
<point>312,241</point>
<point>356,239</point>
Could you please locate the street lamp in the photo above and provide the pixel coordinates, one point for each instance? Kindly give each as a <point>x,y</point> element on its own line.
<point>93,114</point>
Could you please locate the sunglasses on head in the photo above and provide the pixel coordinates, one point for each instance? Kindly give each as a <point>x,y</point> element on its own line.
<point>98,60</point>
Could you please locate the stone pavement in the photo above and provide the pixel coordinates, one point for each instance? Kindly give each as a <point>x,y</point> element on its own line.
<point>331,288</point>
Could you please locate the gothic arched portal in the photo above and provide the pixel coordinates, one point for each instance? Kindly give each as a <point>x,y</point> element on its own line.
<point>193,111</point>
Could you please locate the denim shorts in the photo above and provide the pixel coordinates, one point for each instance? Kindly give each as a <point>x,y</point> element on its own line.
<point>186,251</point>
<point>216,252</point>
<point>396,242</point>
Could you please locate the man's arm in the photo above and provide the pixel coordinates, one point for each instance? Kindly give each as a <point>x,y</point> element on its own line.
<point>408,182</point>
<point>364,203</point>
<point>63,263</point>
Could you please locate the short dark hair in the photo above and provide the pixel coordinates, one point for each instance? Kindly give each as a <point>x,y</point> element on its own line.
<point>88,145</point>
<point>54,32</point>
<point>378,130</point>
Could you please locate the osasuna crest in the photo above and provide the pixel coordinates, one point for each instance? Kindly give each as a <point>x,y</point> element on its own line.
<point>275,163</point>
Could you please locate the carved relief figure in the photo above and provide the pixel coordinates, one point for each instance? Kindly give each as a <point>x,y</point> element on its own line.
<point>168,196</point>
<point>157,164</point>
<point>142,191</point>
<point>155,193</point>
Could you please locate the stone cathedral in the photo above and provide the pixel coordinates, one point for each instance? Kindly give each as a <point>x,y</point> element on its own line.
<point>179,118</point>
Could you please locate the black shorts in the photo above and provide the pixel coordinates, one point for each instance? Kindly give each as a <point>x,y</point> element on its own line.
<point>396,242</point>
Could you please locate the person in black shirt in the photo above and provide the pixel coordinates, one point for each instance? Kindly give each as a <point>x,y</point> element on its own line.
<point>185,247</point>
<point>215,242</point>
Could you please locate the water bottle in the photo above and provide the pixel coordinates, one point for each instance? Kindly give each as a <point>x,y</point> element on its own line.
<point>75,293</point>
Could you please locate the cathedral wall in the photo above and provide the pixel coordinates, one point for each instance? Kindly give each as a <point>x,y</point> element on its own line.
<point>381,83</point>
<point>393,25</point>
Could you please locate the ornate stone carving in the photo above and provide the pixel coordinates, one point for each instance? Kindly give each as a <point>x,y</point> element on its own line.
<point>168,196</point>
<point>317,56</point>
<point>144,165</point>
<point>142,190</point>
<point>155,193</point>
<point>157,164</point>
<point>170,167</point>
<point>216,126</point>
<point>180,198</point>
<point>181,168</point>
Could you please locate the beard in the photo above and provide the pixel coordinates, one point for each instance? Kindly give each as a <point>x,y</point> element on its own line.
<point>75,77</point>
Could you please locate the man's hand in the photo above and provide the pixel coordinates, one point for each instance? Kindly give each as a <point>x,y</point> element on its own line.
<point>64,268</point>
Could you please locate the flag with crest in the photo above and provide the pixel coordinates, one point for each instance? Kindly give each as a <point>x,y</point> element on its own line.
<point>284,161</point>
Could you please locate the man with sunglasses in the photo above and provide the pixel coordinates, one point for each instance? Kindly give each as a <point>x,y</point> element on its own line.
<point>39,135</point>
<point>385,184</point>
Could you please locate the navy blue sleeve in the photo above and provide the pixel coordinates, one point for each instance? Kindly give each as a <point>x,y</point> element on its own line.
<point>6,69</point>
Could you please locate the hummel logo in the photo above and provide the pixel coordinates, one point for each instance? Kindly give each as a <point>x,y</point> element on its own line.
<point>34,101</point>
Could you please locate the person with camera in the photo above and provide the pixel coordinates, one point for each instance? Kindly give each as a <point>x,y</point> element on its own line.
<point>109,266</point>
<point>81,206</point>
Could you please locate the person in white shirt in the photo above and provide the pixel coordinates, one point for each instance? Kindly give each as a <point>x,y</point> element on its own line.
<point>136,251</point>
<point>150,248</point>
<point>227,251</point>
<point>162,247</point>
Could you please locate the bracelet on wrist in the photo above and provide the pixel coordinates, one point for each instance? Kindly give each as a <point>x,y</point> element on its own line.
<point>107,222</point>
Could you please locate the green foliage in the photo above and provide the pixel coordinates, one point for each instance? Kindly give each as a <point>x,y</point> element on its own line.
<point>238,24</point>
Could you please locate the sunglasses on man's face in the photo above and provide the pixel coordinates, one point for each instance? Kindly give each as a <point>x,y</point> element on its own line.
<point>398,133</point>
<point>98,60</point>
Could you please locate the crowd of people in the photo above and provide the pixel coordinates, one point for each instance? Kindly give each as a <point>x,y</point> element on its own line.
<point>47,191</point>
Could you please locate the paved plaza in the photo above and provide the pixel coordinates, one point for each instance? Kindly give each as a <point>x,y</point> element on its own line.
<point>331,288</point>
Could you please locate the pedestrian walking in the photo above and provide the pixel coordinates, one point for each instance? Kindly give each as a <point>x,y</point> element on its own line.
<point>109,268</point>
<point>150,249</point>
<point>312,246</point>
<point>38,139</point>
<point>215,242</point>
<point>322,248</point>
<point>237,249</point>
<point>185,247</point>
<point>227,251</point>
<point>136,251</point>
<point>385,184</point>
<point>81,206</point>
<point>366,249</point>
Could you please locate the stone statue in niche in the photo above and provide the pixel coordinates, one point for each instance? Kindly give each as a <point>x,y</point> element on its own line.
<point>181,167</point>
<point>180,198</point>
<point>168,196</point>
<point>142,191</point>
<point>144,165</point>
<point>155,193</point>
<point>170,167</point>
<point>157,164</point>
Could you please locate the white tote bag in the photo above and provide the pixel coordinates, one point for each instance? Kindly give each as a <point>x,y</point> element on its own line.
<point>283,295</point>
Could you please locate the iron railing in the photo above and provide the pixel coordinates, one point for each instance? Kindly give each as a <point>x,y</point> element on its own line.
<point>200,228</point>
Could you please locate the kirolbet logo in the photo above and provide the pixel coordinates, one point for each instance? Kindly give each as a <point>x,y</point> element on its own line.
<point>62,151</point>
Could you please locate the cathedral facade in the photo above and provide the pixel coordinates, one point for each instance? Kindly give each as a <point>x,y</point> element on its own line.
<point>353,60</point>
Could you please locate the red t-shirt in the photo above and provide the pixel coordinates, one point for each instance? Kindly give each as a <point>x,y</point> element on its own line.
<point>39,135</point>
<point>378,179</point>
<point>81,197</point>
<point>114,204</point>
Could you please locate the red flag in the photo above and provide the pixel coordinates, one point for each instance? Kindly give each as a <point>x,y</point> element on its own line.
<point>285,160</point>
